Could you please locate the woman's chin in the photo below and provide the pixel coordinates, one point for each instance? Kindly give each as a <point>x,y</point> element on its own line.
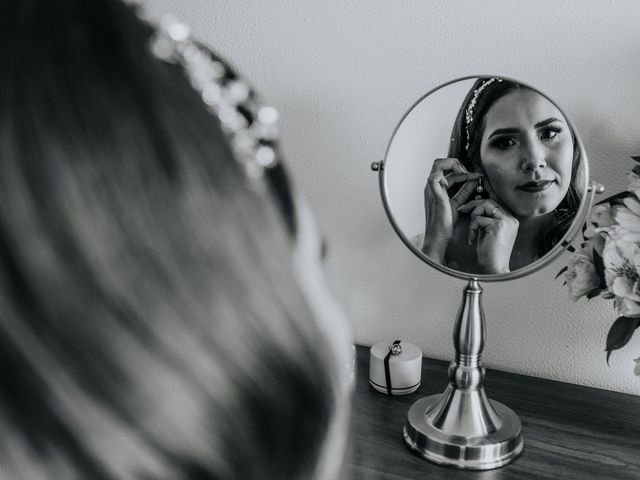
<point>535,207</point>
<point>535,212</point>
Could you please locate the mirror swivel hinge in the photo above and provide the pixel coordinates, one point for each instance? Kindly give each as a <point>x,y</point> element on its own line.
<point>598,187</point>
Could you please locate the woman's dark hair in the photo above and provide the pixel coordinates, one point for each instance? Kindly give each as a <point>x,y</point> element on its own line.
<point>151,325</point>
<point>466,138</point>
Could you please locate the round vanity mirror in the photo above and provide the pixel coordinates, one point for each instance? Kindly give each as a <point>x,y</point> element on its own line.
<point>485,177</point>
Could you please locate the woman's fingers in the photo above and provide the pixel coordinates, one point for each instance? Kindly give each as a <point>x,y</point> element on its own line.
<point>467,207</point>
<point>482,222</point>
<point>438,178</point>
<point>477,223</point>
<point>454,178</point>
<point>445,181</point>
<point>487,210</point>
<point>482,206</point>
<point>484,212</point>
<point>465,191</point>
<point>447,172</point>
<point>448,165</point>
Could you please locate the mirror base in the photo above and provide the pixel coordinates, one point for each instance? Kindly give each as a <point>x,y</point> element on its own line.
<point>482,452</point>
<point>462,427</point>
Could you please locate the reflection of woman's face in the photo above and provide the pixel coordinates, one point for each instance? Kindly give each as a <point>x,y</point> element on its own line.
<point>526,152</point>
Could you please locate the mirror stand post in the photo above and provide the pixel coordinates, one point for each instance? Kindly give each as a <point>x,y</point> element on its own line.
<point>462,427</point>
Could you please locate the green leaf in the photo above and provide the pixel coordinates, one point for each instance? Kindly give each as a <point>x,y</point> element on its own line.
<point>598,263</point>
<point>620,333</point>
<point>564,269</point>
<point>613,198</point>
<point>595,292</point>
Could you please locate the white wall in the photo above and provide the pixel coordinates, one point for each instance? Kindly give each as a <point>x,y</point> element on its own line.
<point>342,73</point>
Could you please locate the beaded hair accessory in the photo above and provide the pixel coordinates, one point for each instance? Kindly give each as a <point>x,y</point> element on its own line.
<point>250,126</point>
<point>468,115</point>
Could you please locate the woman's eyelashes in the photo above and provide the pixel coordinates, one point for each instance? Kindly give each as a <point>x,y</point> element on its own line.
<point>548,133</point>
<point>506,142</point>
<point>503,142</point>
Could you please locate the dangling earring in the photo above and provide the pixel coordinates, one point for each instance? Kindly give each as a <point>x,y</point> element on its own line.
<point>479,189</point>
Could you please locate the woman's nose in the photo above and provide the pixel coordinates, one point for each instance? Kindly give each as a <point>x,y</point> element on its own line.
<point>533,156</point>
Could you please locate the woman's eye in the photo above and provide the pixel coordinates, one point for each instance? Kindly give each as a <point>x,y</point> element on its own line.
<point>549,133</point>
<point>503,143</point>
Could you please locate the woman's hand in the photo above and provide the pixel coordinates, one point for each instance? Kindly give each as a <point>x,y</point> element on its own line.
<point>495,230</point>
<point>441,211</point>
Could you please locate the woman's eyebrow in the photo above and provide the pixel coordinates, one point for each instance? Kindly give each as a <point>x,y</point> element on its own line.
<point>500,131</point>
<point>546,122</point>
<point>543,123</point>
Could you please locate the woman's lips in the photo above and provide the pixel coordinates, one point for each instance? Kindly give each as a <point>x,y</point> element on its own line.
<point>534,187</point>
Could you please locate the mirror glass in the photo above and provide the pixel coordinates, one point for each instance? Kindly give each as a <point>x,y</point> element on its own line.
<point>484,177</point>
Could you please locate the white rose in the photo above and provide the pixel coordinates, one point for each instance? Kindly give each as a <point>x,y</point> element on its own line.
<point>581,275</point>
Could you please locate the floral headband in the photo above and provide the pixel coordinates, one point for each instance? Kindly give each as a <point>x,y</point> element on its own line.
<point>468,115</point>
<point>250,126</point>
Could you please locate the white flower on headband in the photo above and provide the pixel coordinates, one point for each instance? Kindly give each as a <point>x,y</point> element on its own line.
<point>468,114</point>
<point>251,128</point>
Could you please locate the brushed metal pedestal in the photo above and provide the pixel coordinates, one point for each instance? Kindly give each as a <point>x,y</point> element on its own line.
<point>462,428</point>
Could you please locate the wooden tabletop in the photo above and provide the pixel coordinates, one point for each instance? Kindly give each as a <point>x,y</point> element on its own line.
<point>570,431</point>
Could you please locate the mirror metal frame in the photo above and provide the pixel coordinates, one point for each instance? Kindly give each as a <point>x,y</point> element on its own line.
<point>462,427</point>
<point>585,201</point>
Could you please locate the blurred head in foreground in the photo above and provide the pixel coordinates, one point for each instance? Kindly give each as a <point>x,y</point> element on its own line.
<point>162,310</point>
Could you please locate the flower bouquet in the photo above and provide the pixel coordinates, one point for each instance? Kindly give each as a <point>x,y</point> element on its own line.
<point>607,262</point>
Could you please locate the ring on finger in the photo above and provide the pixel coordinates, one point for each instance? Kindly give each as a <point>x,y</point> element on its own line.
<point>494,211</point>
